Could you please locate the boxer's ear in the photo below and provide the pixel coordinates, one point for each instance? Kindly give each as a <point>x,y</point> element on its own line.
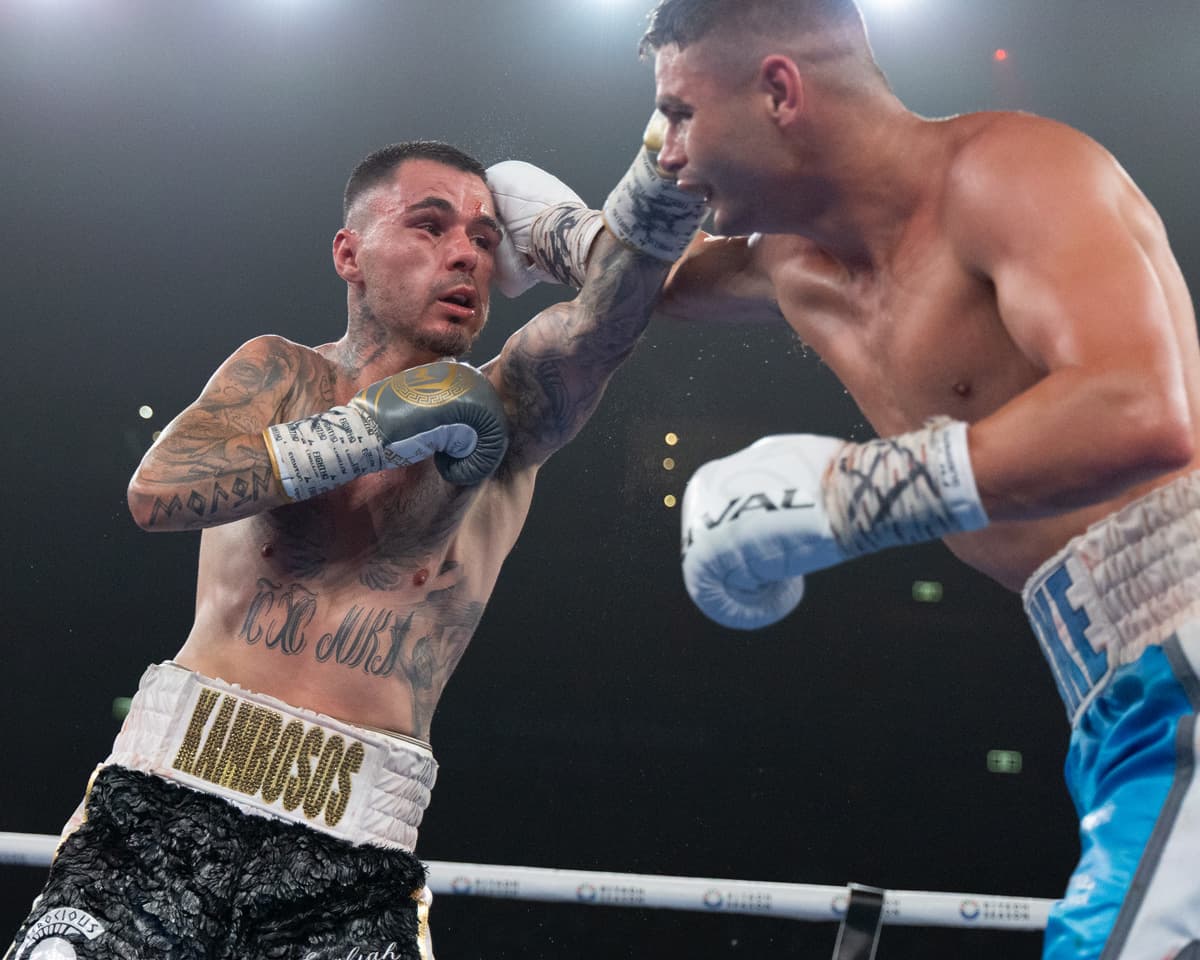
<point>345,255</point>
<point>779,79</point>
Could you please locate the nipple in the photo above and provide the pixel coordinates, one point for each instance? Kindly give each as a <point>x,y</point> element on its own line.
<point>267,550</point>
<point>420,577</point>
<point>962,389</point>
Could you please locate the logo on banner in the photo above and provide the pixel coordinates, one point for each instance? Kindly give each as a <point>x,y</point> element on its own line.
<point>51,936</point>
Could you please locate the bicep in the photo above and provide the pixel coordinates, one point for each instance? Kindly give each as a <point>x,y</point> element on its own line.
<point>1079,294</point>
<point>263,382</point>
<point>253,388</point>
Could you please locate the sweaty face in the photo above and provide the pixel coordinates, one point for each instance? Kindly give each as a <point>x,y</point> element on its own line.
<point>714,131</point>
<point>426,242</point>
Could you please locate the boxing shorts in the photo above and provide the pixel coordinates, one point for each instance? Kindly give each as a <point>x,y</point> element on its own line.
<point>1117,613</point>
<point>227,824</point>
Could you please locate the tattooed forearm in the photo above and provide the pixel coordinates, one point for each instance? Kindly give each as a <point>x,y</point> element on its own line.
<point>198,505</point>
<point>615,302</point>
<point>210,437</point>
<point>554,370</point>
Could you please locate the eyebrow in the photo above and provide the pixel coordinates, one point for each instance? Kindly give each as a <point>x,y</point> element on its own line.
<point>437,203</point>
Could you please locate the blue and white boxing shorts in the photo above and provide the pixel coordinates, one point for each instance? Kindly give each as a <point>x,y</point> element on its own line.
<point>1117,613</point>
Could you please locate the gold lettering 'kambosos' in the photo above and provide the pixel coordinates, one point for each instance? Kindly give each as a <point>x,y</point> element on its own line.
<point>264,753</point>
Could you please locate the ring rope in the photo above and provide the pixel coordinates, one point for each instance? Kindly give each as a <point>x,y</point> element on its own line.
<point>797,901</point>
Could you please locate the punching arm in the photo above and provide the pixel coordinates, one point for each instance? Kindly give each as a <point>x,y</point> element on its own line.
<point>755,522</point>
<point>555,369</point>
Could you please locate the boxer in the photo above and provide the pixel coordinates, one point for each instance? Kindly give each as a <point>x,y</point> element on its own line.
<point>357,500</point>
<point>1002,303</point>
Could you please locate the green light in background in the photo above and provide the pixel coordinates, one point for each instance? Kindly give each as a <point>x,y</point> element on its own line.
<point>1004,761</point>
<point>120,707</point>
<point>927,591</point>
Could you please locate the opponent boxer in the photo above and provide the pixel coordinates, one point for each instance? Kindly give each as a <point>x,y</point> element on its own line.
<point>1002,303</point>
<point>357,500</point>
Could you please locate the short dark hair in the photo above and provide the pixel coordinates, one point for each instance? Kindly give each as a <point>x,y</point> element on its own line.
<point>683,22</point>
<point>377,166</point>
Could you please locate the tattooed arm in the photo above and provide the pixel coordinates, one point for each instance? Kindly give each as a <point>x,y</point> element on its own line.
<point>553,371</point>
<point>210,465</point>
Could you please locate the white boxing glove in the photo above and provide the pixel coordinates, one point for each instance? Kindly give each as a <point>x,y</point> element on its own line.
<point>755,522</point>
<point>548,229</point>
<point>646,209</point>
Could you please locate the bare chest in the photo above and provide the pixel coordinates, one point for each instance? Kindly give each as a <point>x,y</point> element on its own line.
<point>379,531</point>
<point>920,340</point>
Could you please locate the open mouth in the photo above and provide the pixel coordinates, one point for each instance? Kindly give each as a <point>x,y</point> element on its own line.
<point>462,302</point>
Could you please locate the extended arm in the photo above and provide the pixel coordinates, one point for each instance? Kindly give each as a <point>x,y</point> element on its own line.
<point>553,370</point>
<point>721,280</point>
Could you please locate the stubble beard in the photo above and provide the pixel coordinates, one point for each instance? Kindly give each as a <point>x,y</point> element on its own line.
<point>452,342</point>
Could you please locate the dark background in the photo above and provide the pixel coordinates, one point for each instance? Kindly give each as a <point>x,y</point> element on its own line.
<point>170,179</point>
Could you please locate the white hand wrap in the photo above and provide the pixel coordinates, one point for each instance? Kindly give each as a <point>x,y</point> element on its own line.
<point>560,240</point>
<point>756,522</point>
<point>315,454</point>
<point>647,210</point>
<point>548,230</point>
<point>907,489</point>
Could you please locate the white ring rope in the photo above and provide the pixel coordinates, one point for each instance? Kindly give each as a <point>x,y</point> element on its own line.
<point>798,901</point>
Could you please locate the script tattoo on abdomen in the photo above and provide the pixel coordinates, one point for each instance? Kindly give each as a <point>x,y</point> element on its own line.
<point>278,617</point>
<point>361,637</point>
<point>376,640</point>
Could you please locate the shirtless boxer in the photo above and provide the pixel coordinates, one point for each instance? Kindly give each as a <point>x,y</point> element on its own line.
<point>357,501</point>
<point>1002,303</point>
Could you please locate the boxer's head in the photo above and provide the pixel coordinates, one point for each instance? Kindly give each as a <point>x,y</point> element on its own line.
<point>376,168</point>
<point>417,246</point>
<point>683,22</point>
<point>754,91</point>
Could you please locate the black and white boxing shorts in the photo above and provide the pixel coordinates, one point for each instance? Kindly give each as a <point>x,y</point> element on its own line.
<point>227,825</point>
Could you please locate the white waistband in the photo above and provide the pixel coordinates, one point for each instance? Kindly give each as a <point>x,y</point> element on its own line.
<point>271,758</point>
<point>1126,583</point>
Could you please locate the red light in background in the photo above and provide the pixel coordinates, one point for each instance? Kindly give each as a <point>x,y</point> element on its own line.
<point>1000,55</point>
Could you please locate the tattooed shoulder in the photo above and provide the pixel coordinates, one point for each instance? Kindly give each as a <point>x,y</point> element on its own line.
<point>271,364</point>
